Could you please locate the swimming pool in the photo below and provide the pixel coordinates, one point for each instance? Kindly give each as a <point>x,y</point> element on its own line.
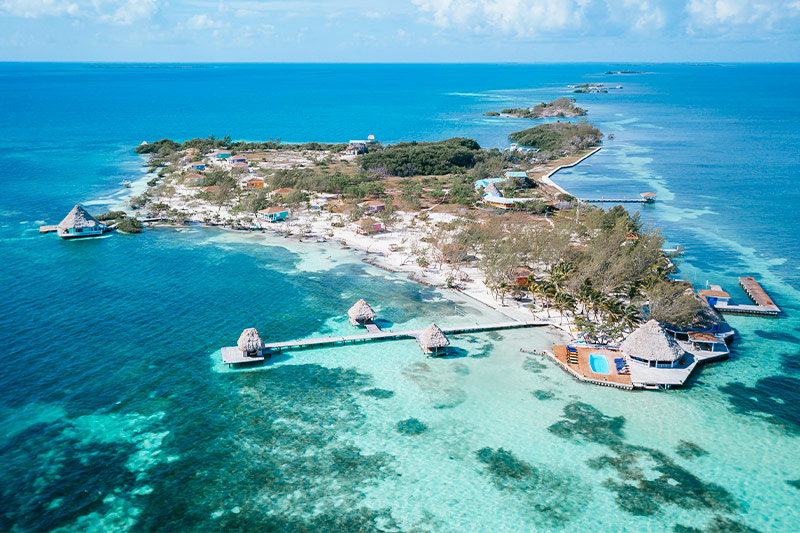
<point>598,363</point>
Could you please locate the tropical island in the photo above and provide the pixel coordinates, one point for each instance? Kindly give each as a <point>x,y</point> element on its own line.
<point>560,107</point>
<point>486,222</point>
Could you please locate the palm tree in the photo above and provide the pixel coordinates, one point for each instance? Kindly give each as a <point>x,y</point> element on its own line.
<point>563,302</point>
<point>631,317</point>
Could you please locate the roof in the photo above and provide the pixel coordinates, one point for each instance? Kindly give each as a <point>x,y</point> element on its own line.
<point>250,341</point>
<point>194,176</point>
<point>273,210</point>
<point>240,164</point>
<point>78,217</point>
<point>651,343</point>
<point>713,293</point>
<point>648,195</point>
<point>373,203</point>
<point>252,180</point>
<point>210,188</point>
<point>361,311</point>
<point>703,336</point>
<point>514,174</point>
<point>367,222</point>
<point>433,337</point>
<point>283,190</point>
<point>492,190</point>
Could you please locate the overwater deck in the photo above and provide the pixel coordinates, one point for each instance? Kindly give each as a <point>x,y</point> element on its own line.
<point>581,369</point>
<point>228,357</point>
<point>764,305</point>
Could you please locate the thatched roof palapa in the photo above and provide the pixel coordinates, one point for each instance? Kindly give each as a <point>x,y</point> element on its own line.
<point>433,338</point>
<point>78,217</point>
<point>250,341</point>
<point>651,342</point>
<point>361,312</point>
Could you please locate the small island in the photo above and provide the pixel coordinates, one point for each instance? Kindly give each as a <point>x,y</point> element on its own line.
<point>615,72</point>
<point>560,107</point>
<point>558,139</point>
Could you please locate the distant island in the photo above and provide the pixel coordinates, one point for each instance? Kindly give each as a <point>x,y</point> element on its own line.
<point>560,107</point>
<point>584,88</point>
<point>611,72</point>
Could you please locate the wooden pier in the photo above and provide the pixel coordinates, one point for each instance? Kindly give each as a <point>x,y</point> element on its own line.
<point>617,200</point>
<point>764,306</point>
<point>231,355</point>
<point>48,229</point>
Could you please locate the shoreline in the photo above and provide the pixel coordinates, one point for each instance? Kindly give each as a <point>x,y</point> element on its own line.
<point>547,178</point>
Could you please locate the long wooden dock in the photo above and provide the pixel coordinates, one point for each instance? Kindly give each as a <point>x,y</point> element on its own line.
<point>379,335</point>
<point>764,305</point>
<point>617,200</point>
<point>232,355</point>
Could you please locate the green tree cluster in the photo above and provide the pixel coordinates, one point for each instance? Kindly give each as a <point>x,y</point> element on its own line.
<point>559,138</point>
<point>428,158</point>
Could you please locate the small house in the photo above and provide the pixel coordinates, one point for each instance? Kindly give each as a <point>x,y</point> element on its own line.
<point>356,147</point>
<point>285,191</point>
<point>251,344</point>
<point>197,165</point>
<point>274,214</point>
<point>241,166</point>
<point>361,313</point>
<point>432,340</point>
<point>516,175</point>
<point>521,275</point>
<point>79,223</point>
<point>239,158</point>
<point>222,154</point>
<point>192,150</point>
<point>367,226</point>
<point>715,296</point>
<point>210,188</point>
<point>372,206</point>
<point>253,183</point>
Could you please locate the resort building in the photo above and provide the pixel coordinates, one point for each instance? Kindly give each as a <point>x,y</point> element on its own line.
<point>702,341</point>
<point>715,295</point>
<point>432,340</point>
<point>361,313</point>
<point>648,197</point>
<point>367,226</point>
<point>79,223</point>
<point>274,214</point>
<point>372,206</point>
<point>252,183</point>
<point>650,345</point>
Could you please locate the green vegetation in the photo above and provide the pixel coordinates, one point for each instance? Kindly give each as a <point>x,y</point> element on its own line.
<point>130,225</point>
<point>560,107</point>
<point>559,138</point>
<point>429,158</point>
<point>590,88</point>
<point>492,114</point>
<point>167,147</point>
<point>111,215</point>
<point>162,147</point>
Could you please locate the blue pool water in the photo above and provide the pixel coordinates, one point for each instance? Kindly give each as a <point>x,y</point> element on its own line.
<point>598,363</point>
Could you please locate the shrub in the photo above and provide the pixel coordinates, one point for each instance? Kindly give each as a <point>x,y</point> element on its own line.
<point>130,225</point>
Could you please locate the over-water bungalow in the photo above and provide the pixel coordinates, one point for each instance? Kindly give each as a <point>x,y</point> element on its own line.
<point>274,214</point>
<point>361,313</point>
<point>372,206</point>
<point>79,223</point>
<point>648,197</point>
<point>253,183</point>
<point>707,342</point>
<point>433,340</point>
<point>367,226</point>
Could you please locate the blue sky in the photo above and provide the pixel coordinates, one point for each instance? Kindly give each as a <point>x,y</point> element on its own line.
<point>528,31</point>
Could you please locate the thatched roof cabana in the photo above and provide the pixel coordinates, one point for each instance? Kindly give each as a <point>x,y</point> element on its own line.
<point>651,343</point>
<point>432,339</point>
<point>78,217</point>
<point>250,341</point>
<point>361,312</point>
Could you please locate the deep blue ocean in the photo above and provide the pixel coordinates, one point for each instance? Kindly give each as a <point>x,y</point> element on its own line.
<point>115,414</point>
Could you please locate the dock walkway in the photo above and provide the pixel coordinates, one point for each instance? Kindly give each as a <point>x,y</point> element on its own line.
<point>763,303</point>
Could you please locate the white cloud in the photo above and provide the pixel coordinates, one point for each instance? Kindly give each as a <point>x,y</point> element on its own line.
<point>118,12</point>
<point>204,22</point>
<point>39,8</point>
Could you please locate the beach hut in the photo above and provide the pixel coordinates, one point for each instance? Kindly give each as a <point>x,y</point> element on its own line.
<point>372,206</point>
<point>250,343</point>
<point>432,340</point>
<point>79,223</point>
<point>274,214</point>
<point>367,226</point>
<point>361,313</point>
<point>651,346</point>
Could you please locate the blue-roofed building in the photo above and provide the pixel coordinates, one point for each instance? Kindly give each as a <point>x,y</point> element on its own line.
<point>515,174</point>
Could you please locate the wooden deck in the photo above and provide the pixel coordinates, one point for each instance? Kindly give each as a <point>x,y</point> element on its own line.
<point>48,229</point>
<point>232,355</point>
<point>583,371</point>
<point>764,305</point>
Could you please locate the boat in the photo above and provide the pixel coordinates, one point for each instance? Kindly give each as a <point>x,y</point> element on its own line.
<point>126,183</point>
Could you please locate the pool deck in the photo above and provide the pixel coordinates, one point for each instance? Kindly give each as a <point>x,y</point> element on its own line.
<point>641,376</point>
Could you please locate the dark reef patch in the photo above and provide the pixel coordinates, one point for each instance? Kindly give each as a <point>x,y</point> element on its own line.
<point>554,498</point>
<point>790,363</point>
<point>411,426</point>
<point>689,450</point>
<point>793,483</point>
<point>544,394</point>
<point>781,336</point>
<point>718,524</point>
<point>776,398</point>
<point>381,394</point>
<point>533,365</point>
<point>584,421</point>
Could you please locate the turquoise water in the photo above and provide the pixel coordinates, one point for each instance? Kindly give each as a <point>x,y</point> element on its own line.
<point>115,412</point>
<point>598,363</point>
